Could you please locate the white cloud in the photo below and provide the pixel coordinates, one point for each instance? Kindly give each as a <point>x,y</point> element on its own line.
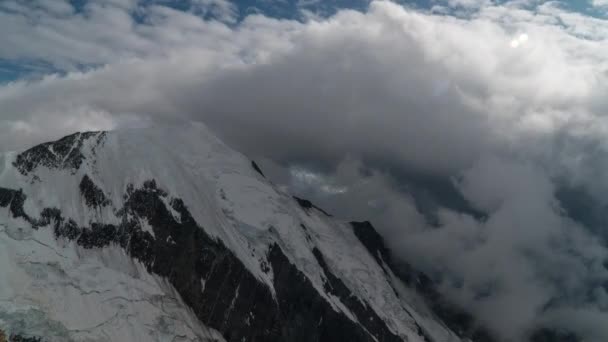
<point>223,10</point>
<point>56,7</point>
<point>469,4</point>
<point>599,3</point>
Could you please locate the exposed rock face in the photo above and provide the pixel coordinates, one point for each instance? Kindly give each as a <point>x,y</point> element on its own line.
<point>93,196</point>
<point>367,317</point>
<point>255,166</point>
<point>64,153</point>
<point>13,200</point>
<point>306,204</point>
<point>17,338</point>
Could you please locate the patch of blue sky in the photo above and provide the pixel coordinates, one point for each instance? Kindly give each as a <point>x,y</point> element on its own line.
<point>13,70</point>
<point>78,5</point>
<point>584,7</point>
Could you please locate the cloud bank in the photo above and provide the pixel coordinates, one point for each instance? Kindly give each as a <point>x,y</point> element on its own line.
<point>467,138</point>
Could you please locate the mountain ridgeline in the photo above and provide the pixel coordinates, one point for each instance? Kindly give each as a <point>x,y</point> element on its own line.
<point>126,236</point>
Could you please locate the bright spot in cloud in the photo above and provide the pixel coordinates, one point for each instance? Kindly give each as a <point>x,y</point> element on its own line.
<point>317,181</point>
<point>521,39</point>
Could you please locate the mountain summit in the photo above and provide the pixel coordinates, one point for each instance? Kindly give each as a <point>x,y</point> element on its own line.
<point>166,234</point>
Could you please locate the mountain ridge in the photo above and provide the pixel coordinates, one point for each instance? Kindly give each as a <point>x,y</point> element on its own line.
<point>242,260</point>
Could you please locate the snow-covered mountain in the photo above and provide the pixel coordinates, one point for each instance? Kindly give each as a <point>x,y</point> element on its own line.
<point>166,234</point>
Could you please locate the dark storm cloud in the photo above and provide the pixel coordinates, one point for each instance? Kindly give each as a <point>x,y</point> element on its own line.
<point>457,137</point>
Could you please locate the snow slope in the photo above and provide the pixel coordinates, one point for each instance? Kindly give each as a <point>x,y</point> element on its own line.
<point>57,287</point>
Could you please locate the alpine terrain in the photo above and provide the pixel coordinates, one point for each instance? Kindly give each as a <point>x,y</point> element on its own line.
<point>166,234</point>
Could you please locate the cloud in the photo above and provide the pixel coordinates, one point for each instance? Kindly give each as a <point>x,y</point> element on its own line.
<point>391,115</point>
<point>508,268</point>
<point>105,32</point>
<point>599,3</point>
<point>223,10</point>
<point>512,264</point>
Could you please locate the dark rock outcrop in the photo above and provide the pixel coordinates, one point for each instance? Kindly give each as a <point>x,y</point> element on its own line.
<point>19,338</point>
<point>306,204</point>
<point>14,200</point>
<point>372,241</point>
<point>93,195</point>
<point>366,316</point>
<point>257,168</point>
<point>299,302</point>
<point>65,153</point>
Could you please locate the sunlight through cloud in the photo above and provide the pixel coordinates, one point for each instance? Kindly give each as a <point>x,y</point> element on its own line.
<point>520,40</point>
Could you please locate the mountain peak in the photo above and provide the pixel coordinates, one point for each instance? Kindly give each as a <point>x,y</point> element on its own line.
<point>135,221</point>
<point>65,153</point>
